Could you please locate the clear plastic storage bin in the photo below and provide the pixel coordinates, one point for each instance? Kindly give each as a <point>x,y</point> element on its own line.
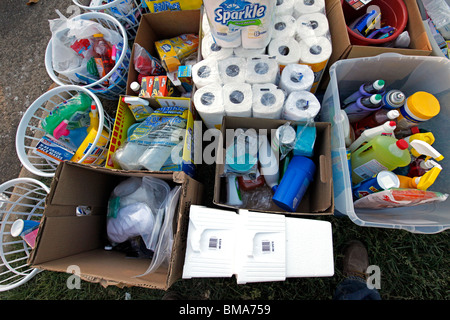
<point>408,74</point>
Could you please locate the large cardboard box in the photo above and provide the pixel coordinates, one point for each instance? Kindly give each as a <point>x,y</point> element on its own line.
<point>343,49</point>
<point>65,239</point>
<point>318,199</point>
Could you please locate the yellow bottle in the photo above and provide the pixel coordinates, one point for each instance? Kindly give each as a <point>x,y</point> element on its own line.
<point>421,183</point>
<point>98,154</point>
<point>427,137</point>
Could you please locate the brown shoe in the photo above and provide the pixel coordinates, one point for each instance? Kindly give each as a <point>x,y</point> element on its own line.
<point>356,260</point>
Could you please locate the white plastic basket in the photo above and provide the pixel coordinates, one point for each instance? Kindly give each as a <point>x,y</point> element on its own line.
<point>129,20</point>
<point>30,131</point>
<point>21,198</point>
<point>101,87</point>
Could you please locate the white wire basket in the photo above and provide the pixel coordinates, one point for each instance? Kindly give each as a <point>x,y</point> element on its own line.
<point>113,84</point>
<point>21,198</point>
<point>30,131</point>
<point>127,12</point>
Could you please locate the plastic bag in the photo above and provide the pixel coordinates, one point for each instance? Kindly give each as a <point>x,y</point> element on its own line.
<point>136,208</point>
<point>242,152</point>
<point>163,250</point>
<point>146,64</point>
<point>157,140</point>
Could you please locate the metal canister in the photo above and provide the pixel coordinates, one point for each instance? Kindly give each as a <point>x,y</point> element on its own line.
<point>393,99</point>
<point>382,181</point>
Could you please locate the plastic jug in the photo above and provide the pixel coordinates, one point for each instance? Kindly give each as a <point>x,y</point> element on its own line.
<point>380,153</point>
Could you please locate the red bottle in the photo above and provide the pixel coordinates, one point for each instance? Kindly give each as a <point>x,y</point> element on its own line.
<point>102,55</point>
<point>249,183</point>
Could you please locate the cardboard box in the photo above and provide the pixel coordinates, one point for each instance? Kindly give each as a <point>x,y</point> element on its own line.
<point>318,199</point>
<point>65,239</point>
<point>125,119</point>
<point>343,49</point>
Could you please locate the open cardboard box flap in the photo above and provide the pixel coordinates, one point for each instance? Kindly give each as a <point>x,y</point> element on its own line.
<point>66,240</point>
<point>319,197</point>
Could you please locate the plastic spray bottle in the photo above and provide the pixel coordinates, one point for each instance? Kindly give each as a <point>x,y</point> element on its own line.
<point>380,153</point>
<point>65,111</point>
<point>386,129</point>
<point>97,155</point>
<point>375,119</point>
<point>422,182</point>
<point>268,162</point>
<point>427,137</point>
<point>140,108</point>
<point>362,107</point>
<point>366,90</point>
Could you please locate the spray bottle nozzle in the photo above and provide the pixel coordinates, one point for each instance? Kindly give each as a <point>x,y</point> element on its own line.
<point>61,130</point>
<point>428,178</point>
<point>426,149</point>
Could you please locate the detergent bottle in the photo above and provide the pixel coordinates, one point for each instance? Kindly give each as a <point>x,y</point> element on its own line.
<point>421,183</point>
<point>97,155</point>
<point>378,154</point>
<point>65,111</point>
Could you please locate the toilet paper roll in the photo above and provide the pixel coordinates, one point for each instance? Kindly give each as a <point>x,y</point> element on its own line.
<point>248,53</point>
<point>268,101</point>
<point>210,49</point>
<point>206,72</point>
<point>296,77</point>
<point>232,69</point>
<point>261,69</point>
<point>208,102</point>
<point>315,52</point>
<point>285,51</point>
<point>308,6</point>
<point>301,106</point>
<point>311,25</point>
<point>284,26</point>
<point>284,7</point>
<point>237,99</point>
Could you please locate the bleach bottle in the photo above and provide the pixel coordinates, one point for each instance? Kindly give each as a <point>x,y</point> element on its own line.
<point>380,153</point>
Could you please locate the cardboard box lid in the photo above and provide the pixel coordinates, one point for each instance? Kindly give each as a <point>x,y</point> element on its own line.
<point>319,198</point>
<point>65,239</point>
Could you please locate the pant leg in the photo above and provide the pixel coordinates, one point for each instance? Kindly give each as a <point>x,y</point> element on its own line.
<point>354,288</point>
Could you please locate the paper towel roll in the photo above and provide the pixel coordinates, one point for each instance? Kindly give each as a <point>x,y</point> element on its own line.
<point>232,69</point>
<point>285,51</point>
<point>268,101</point>
<point>261,69</point>
<point>284,7</point>
<point>237,99</point>
<point>284,26</point>
<point>211,49</point>
<point>315,52</point>
<point>248,53</point>
<point>206,72</point>
<point>311,25</point>
<point>208,102</point>
<point>301,106</point>
<point>308,6</point>
<point>296,77</point>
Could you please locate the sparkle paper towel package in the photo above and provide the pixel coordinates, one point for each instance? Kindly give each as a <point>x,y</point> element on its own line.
<point>312,25</point>
<point>239,22</point>
<point>210,49</point>
<point>256,246</point>
<point>208,102</point>
<point>262,69</point>
<point>268,101</point>
<point>296,77</point>
<point>285,51</point>
<point>301,106</point>
<point>237,99</point>
<point>206,72</point>
<point>284,26</point>
<point>232,69</point>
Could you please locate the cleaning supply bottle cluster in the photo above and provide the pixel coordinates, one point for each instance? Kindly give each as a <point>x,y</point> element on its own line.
<point>387,149</point>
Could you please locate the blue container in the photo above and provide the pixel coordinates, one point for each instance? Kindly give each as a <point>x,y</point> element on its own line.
<point>294,184</point>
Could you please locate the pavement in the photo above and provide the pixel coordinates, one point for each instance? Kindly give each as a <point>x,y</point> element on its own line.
<point>25,33</point>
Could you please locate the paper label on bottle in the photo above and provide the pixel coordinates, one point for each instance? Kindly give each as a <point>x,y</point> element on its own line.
<point>369,169</point>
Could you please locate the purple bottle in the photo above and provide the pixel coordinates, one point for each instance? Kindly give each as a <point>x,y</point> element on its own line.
<point>366,90</point>
<point>362,107</point>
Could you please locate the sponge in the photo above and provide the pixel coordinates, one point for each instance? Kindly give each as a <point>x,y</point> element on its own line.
<point>306,137</point>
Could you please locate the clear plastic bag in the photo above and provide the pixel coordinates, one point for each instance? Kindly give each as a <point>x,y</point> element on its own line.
<point>241,152</point>
<point>146,64</point>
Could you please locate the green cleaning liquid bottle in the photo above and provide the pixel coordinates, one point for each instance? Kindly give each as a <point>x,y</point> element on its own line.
<point>380,153</point>
<point>65,111</point>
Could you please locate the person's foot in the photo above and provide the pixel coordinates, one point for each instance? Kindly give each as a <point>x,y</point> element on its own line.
<point>356,260</point>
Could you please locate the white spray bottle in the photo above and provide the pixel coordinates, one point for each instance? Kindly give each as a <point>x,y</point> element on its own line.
<point>386,128</point>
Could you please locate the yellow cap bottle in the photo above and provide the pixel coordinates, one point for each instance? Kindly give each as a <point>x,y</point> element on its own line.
<point>420,106</point>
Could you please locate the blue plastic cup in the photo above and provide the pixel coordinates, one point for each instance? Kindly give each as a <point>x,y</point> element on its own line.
<point>22,227</point>
<point>295,182</point>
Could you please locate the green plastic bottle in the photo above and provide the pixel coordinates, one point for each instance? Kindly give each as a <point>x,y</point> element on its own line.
<point>380,153</point>
<point>80,102</point>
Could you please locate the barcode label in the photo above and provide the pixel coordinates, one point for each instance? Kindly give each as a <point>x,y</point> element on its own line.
<point>266,246</point>
<point>215,243</point>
